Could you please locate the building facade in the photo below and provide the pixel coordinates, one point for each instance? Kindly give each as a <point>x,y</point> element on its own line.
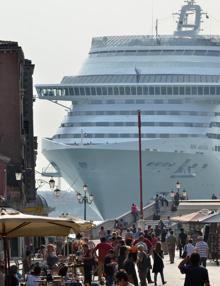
<point>17,144</point>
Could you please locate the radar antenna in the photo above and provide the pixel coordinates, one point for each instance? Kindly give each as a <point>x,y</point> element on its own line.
<point>190,18</point>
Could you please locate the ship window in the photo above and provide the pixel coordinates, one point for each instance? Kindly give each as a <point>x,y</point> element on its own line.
<point>194,90</point>
<point>127,90</point>
<point>140,101</point>
<point>124,112</point>
<point>139,90</point>
<point>163,90</point>
<point>206,90</point>
<point>82,91</point>
<point>71,91</point>
<point>102,124</point>
<point>104,91</point>
<point>100,112</point>
<point>161,112</point>
<point>93,90</point>
<point>76,91</point>
<point>117,124</point>
<point>129,101</point>
<point>99,91</point>
<point>87,89</point>
<point>175,90</point>
<point>212,90</point>
<point>115,90</point>
<point>157,90</point>
<point>96,101</point>
<point>151,90</point>
<point>145,90</point>
<point>110,101</point>
<point>122,91</point>
<point>188,52</point>
<point>218,90</point>
<point>133,90</point>
<point>200,53</point>
<point>188,91</point>
<point>181,90</point>
<point>200,90</point>
<point>110,90</point>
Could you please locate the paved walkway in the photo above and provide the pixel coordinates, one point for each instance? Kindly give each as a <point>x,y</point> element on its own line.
<point>175,278</point>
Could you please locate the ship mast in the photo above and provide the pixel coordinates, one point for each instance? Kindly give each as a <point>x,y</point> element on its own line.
<point>190,18</point>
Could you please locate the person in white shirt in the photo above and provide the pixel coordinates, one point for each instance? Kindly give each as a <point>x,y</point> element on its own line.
<point>189,248</point>
<point>33,279</point>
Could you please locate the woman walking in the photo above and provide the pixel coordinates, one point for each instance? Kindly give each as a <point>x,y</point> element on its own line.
<point>158,265</point>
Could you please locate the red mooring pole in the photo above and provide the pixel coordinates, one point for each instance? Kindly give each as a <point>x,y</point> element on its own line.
<point>140,164</point>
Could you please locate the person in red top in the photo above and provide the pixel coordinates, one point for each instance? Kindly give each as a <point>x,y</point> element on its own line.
<point>154,240</point>
<point>103,248</point>
<point>144,240</point>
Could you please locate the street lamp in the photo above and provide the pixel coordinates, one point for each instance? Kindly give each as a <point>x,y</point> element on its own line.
<point>85,198</point>
<point>52,183</point>
<point>18,175</point>
<point>57,192</point>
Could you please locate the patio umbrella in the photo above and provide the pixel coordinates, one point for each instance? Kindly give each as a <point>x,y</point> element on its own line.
<point>16,224</point>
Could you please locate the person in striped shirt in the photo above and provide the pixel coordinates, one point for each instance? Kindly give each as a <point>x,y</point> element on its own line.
<point>202,248</point>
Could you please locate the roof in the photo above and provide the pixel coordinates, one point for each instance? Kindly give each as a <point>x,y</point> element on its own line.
<point>146,40</point>
<point>142,78</point>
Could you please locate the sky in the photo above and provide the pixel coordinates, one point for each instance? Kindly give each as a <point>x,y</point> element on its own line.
<point>56,35</point>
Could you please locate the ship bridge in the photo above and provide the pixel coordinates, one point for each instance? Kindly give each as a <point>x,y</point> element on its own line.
<point>141,86</point>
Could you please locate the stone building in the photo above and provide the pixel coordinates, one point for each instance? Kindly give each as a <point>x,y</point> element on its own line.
<point>17,144</point>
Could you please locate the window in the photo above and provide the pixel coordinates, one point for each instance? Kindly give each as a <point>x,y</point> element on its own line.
<point>151,90</point>
<point>127,90</point>
<point>99,91</point>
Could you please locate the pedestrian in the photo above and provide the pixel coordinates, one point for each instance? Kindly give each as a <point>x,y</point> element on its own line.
<point>163,240</point>
<point>102,233</point>
<point>103,247</point>
<point>34,279</point>
<point>122,279</point>
<point>87,259</point>
<point>129,267</point>
<point>110,267</point>
<point>182,239</point>
<point>142,265</point>
<point>12,279</point>
<point>158,265</point>
<point>143,240</point>
<point>26,262</point>
<point>171,246</point>
<point>189,248</point>
<point>123,252</point>
<point>134,212</point>
<point>195,274</point>
<point>202,248</point>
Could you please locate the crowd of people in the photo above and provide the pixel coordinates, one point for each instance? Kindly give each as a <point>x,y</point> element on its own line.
<point>123,257</point>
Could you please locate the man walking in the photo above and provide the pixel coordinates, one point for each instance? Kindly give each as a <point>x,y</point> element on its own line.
<point>171,245</point>
<point>202,248</point>
<point>182,239</point>
<point>195,274</point>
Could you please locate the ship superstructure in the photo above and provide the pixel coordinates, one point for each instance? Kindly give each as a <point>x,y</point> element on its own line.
<point>175,82</point>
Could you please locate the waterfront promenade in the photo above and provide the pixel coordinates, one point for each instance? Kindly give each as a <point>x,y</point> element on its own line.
<point>175,278</point>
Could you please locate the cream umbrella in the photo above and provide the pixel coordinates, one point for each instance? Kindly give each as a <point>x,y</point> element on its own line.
<point>16,224</point>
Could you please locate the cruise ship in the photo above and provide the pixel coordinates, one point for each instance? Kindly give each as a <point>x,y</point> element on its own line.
<point>175,83</point>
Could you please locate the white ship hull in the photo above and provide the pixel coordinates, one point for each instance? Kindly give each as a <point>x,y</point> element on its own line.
<point>112,173</point>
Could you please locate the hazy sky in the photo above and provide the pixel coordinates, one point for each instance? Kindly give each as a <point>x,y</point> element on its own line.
<point>56,36</point>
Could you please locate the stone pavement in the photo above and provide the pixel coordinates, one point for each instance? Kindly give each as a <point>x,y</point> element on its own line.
<point>175,278</point>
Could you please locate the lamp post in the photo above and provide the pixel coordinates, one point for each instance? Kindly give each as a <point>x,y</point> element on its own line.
<point>85,198</point>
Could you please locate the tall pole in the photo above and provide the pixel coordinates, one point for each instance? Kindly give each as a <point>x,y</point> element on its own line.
<point>84,201</point>
<point>140,164</point>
